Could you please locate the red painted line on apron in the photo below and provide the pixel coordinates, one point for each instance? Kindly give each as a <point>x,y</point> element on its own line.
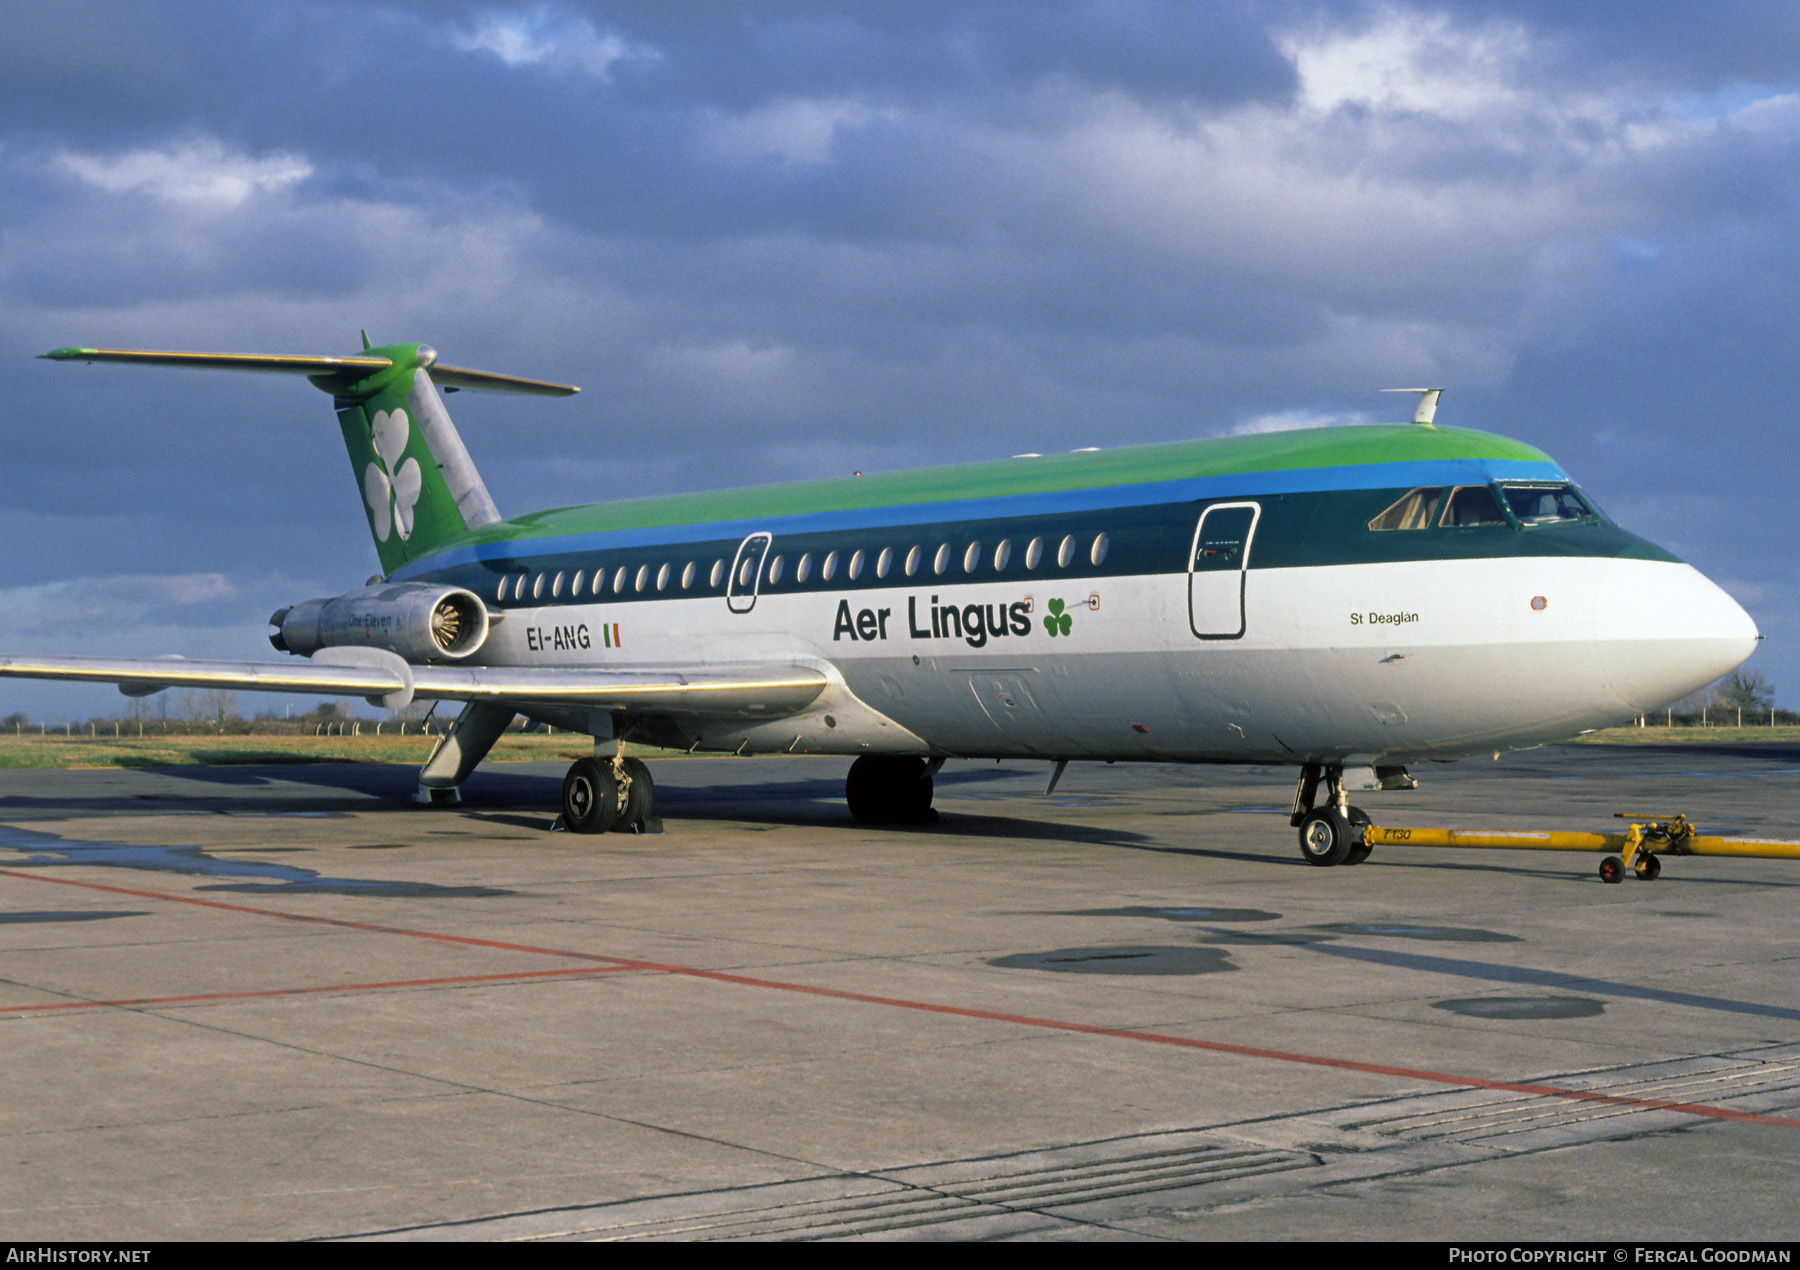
<point>1704,1110</point>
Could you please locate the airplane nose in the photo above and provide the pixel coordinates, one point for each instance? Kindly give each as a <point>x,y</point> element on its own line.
<point>1663,630</point>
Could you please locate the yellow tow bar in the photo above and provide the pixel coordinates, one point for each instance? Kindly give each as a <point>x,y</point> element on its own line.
<point>1637,848</point>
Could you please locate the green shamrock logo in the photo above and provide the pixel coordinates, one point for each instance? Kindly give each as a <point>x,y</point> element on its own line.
<point>1056,621</point>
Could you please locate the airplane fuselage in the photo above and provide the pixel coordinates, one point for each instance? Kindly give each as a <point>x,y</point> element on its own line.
<point>1236,600</point>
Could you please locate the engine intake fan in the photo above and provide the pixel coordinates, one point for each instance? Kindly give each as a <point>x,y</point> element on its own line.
<point>418,621</point>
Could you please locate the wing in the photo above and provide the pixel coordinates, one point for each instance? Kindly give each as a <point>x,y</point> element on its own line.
<point>761,692</point>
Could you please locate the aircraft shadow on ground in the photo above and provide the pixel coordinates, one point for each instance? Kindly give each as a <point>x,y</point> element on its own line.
<point>527,796</point>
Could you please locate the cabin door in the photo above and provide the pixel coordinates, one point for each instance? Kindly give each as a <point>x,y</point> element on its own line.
<point>1220,559</point>
<point>745,579</point>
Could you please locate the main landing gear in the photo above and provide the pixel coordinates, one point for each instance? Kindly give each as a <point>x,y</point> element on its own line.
<point>1333,833</point>
<point>601,794</point>
<point>889,789</point>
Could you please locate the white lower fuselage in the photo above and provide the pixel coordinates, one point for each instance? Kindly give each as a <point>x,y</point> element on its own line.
<point>1352,663</point>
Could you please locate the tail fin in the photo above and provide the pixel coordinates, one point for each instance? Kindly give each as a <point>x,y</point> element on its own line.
<point>420,488</point>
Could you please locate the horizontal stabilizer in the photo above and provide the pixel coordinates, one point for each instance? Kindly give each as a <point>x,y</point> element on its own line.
<point>762,692</point>
<point>288,364</point>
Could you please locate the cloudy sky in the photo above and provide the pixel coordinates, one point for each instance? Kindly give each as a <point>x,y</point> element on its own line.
<point>774,241</point>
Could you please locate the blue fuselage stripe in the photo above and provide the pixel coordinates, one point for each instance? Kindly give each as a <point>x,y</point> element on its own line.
<point>1098,498</point>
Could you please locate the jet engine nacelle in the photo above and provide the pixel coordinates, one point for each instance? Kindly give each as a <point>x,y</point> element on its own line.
<point>416,620</point>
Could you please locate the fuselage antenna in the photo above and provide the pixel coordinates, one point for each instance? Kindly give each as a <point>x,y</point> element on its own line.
<point>1428,399</point>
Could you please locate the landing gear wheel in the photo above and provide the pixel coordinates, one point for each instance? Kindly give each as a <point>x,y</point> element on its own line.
<point>1325,837</point>
<point>1648,866</point>
<point>1359,824</point>
<point>885,789</point>
<point>1612,869</point>
<point>640,797</point>
<point>590,798</point>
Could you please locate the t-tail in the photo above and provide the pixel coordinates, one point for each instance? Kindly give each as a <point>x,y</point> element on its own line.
<point>419,487</point>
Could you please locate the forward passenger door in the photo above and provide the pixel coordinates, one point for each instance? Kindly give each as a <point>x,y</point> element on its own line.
<point>1217,568</point>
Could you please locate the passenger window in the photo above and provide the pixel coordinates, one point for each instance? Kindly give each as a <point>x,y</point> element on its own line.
<point>913,559</point>
<point>1065,554</point>
<point>1034,553</point>
<point>575,586</point>
<point>972,557</point>
<point>856,564</point>
<point>687,576</point>
<point>1471,506</point>
<point>884,562</point>
<point>718,574</point>
<point>537,587</point>
<point>1411,511</point>
<point>941,561</point>
<point>643,577</point>
<point>662,578</point>
<point>556,586</point>
<point>828,570</point>
<point>775,567</point>
<point>1002,554</point>
<point>803,570</point>
<point>619,578</point>
<point>1098,553</point>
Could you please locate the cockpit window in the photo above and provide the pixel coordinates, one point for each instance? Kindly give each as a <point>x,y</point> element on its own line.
<point>1412,511</point>
<point>1545,504</point>
<point>1471,505</point>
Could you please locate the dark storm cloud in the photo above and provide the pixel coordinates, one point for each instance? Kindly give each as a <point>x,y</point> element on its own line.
<point>1701,49</point>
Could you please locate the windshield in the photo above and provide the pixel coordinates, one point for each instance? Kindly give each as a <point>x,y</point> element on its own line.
<point>1544,504</point>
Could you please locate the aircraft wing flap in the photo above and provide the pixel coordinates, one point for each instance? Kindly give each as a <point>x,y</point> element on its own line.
<point>737,691</point>
<point>767,691</point>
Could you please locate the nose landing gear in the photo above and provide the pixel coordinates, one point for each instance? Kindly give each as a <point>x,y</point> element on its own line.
<point>1332,834</point>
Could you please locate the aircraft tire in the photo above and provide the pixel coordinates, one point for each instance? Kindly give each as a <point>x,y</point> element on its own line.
<point>1612,869</point>
<point>1359,850</point>
<point>590,797</point>
<point>887,789</point>
<point>640,797</point>
<point>1325,837</point>
<point>1648,867</point>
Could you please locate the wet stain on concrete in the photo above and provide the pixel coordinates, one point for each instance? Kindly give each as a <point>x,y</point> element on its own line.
<point>1246,938</point>
<point>1410,930</point>
<point>77,915</point>
<point>1121,959</point>
<point>257,877</point>
<point>1524,976</point>
<point>1182,914</point>
<point>1523,1007</point>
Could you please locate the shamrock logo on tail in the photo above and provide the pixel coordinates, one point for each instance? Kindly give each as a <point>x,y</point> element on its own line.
<point>1056,621</point>
<point>391,491</point>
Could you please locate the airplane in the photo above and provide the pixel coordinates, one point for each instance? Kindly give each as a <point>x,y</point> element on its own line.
<point>1330,599</point>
